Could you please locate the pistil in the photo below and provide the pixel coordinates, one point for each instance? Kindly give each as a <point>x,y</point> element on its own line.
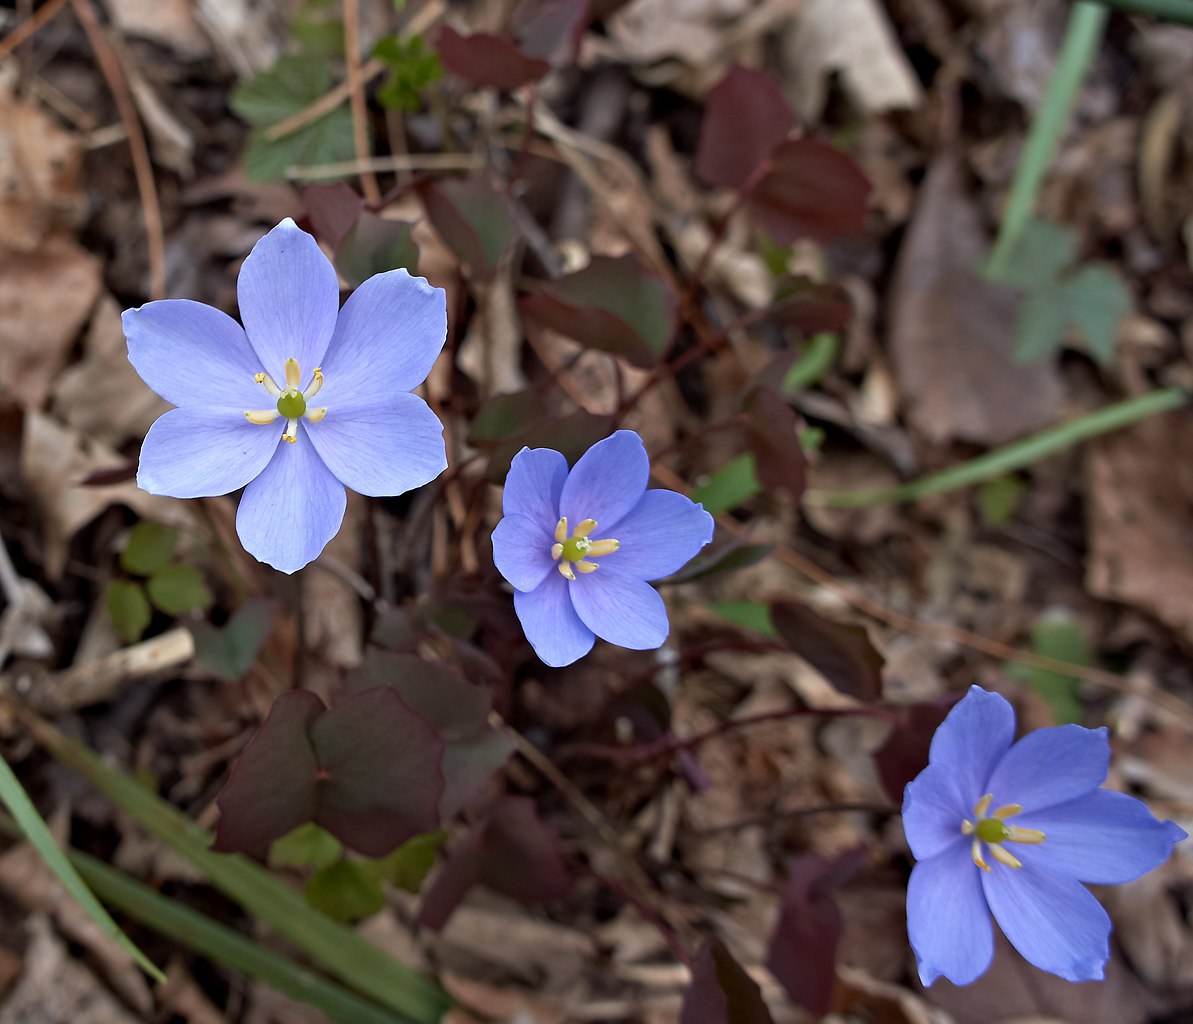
<point>291,402</point>
<point>573,553</point>
<point>992,830</point>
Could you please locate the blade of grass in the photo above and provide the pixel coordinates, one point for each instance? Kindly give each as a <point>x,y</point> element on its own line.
<point>213,940</point>
<point>1013,456</point>
<point>1170,10</point>
<point>342,952</point>
<point>1087,22</point>
<point>38,833</point>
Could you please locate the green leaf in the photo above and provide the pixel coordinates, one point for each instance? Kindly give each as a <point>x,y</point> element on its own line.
<point>150,546</point>
<point>178,589</point>
<point>413,69</point>
<point>229,653</point>
<point>475,221</point>
<point>128,609</point>
<point>307,846</point>
<point>1061,637</point>
<point>999,499</point>
<point>1040,327</point>
<point>198,932</point>
<point>814,362</point>
<point>729,486</point>
<point>319,37</point>
<point>374,245</point>
<point>38,833</point>
<point>1042,253</point>
<point>753,615</point>
<point>408,866</point>
<point>292,84</point>
<point>1098,301</point>
<point>348,956</point>
<point>345,891</point>
<point>729,558</point>
<point>506,416</point>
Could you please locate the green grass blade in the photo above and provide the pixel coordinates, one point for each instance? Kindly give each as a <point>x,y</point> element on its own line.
<point>213,940</point>
<point>1087,22</point>
<point>1013,456</point>
<point>1170,10</point>
<point>339,950</point>
<point>38,833</point>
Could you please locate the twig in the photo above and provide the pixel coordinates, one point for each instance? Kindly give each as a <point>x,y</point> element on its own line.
<point>29,28</point>
<point>1181,712</point>
<point>109,64</point>
<point>397,163</point>
<point>360,127</point>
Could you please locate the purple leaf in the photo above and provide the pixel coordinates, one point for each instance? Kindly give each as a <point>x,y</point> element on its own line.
<point>745,118</point>
<point>772,437</point>
<point>811,191</point>
<point>229,653</point>
<point>905,753</point>
<point>803,949</point>
<point>475,222</point>
<point>811,307</point>
<point>840,652</point>
<point>552,29</point>
<point>487,60</point>
<point>722,992</point>
<point>331,211</point>
<point>614,304</point>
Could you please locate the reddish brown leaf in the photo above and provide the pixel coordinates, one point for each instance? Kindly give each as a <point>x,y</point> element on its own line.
<point>772,436</point>
<point>841,653</point>
<point>905,753</point>
<point>811,191</point>
<point>475,221</point>
<point>810,307</point>
<point>722,992</point>
<point>487,60</point>
<point>331,210</point>
<point>745,118</point>
<point>551,29</point>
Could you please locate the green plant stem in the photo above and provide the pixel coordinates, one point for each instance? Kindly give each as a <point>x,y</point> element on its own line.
<point>1013,456</point>
<point>221,944</point>
<point>1087,23</point>
<point>1180,11</point>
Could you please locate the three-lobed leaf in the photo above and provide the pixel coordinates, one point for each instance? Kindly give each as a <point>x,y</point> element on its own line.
<point>150,547</point>
<point>841,652</point>
<point>178,589</point>
<point>128,609</point>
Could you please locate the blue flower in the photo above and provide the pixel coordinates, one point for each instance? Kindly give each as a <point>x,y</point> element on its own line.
<point>579,547</point>
<point>246,397</point>
<point>1013,831</point>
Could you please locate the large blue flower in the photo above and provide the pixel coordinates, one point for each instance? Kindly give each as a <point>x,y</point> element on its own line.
<point>579,547</point>
<point>244,416</point>
<point>1014,831</point>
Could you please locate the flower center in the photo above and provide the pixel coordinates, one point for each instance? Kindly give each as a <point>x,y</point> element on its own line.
<point>992,830</point>
<point>575,553</point>
<point>291,403</point>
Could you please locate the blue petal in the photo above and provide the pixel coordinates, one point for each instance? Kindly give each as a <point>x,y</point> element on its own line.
<point>522,551</point>
<point>620,608</point>
<point>660,535</point>
<point>1051,918</point>
<point>289,513</point>
<point>533,486</point>
<point>606,482</point>
<point>289,300</point>
<point>387,338</point>
<point>551,623</point>
<point>193,354</point>
<point>933,812</point>
<point>1051,766</point>
<point>197,453</point>
<point>1103,837</point>
<point>947,920</point>
<point>971,741</point>
<point>387,448</point>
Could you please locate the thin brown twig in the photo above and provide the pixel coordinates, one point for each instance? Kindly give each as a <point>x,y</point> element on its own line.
<point>325,104</point>
<point>29,28</point>
<point>109,64</point>
<point>1178,709</point>
<point>356,94</point>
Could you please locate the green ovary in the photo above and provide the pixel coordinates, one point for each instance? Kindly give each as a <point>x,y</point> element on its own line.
<point>991,830</point>
<point>575,548</point>
<point>291,404</point>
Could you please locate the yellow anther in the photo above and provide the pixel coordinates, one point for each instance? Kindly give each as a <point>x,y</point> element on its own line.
<point>291,432</point>
<point>557,551</point>
<point>603,547</point>
<point>976,853</point>
<point>1006,811</point>
<point>261,417</point>
<point>585,528</point>
<point>1025,835</point>
<point>999,853</point>
<point>267,381</point>
<point>968,828</point>
<point>313,389</point>
<point>586,566</point>
<point>561,530</point>
<point>315,415</point>
<point>293,373</point>
<point>566,569</point>
<point>983,805</point>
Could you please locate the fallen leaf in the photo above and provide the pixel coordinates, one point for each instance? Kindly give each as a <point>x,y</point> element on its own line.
<point>952,331</point>
<point>722,992</point>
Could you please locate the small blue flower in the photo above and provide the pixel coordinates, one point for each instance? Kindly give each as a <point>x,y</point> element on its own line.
<point>579,547</point>
<point>235,425</point>
<point>1013,831</point>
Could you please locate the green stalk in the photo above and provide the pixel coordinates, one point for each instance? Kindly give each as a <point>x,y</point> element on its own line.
<point>1082,37</point>
<point>210,939</point>
<point>1170,10</point>
<point>1013,456</point>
